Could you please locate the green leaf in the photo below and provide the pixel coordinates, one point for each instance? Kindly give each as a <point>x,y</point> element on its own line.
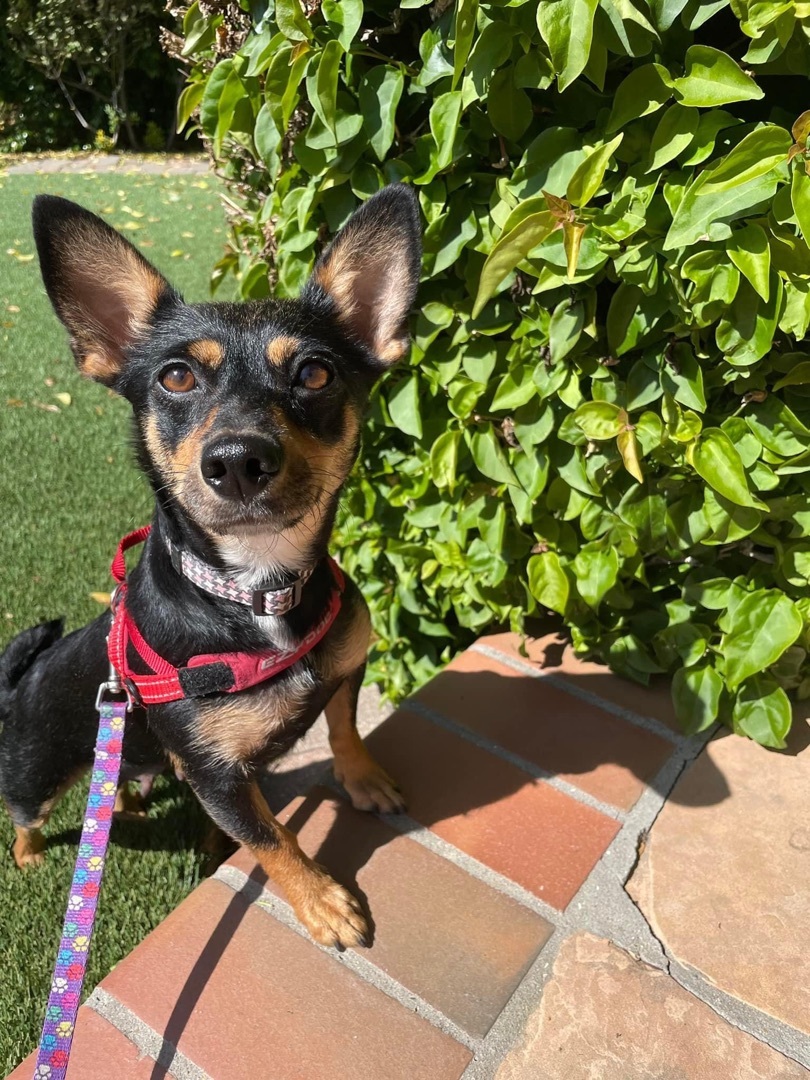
<point>326,83</point>
<point>762,625</point>
<point>714,457</point>
<point>746,334</point>
<point>588,177</point>
<point>403,405</point>
<point>565,328</point>
<point>292,21</point>
<point>758,153</point>
<point>797,376</point>
<point>704,215</point>
<point>445,113</point>
<point>265,135</point>
<point>683,378</point>
<point>800,198</point>
<point>490,459</point>
<point>762,712</point>
<point>508,107</point>
<point>696,697</point>
<point>548,582</point>
<point>345,18</point>
<point>199,30</point>
<point>596,571</point>
<point>566,26</point>
<point>509,250</point>
<point>188,102</point>
<point>643,91</point>
<point>749,251</point>
<point>600,419</point>
<point>444,458</point>
<point>676,130</point>
<point>712,78</point>
<point>380,93</point>
<point>466,15</point>
<point>209,105</point>
<point>777,427</point>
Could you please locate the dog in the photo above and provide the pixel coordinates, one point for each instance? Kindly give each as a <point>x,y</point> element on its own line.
<point>247,420</point>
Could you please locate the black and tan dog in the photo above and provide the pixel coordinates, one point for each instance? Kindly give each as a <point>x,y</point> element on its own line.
<point>247,420</point>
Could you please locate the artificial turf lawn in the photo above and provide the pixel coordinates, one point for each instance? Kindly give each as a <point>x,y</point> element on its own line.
<point>68,492</point>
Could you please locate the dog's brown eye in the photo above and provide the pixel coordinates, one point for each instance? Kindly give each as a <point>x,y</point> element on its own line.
<point>313,376</point>
<point>178,379</point>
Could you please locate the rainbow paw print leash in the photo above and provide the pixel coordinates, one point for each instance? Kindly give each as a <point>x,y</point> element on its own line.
<point>71,960</point>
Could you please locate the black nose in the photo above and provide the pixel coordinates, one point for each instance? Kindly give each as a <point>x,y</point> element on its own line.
<point>240,466</point>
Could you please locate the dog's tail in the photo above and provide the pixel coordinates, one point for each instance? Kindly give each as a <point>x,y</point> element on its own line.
<point>21,653</point>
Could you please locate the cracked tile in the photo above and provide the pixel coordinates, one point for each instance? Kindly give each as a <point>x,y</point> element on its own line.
<point>724,880</point>
<point>607,1016</point>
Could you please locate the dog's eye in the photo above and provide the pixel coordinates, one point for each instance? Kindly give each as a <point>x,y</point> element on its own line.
<point>313,376</point>
<point>178,379</point>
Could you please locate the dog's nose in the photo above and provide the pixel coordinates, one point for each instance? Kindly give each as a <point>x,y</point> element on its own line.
<point>240,466</point>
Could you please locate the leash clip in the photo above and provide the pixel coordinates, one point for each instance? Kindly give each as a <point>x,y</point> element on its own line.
<point>113,685</point>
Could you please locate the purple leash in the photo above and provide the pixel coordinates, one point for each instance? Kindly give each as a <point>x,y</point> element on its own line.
<point>77,931</point>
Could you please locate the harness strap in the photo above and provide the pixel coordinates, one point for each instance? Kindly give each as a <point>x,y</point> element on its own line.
<point>211,673</point>
<point>77,930</point>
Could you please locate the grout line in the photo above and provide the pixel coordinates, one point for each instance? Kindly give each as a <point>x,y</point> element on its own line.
<point>368,971</point>
<point>522,763</point>
<point>649,723</point>
<point>148,1041</point>
<point>418,833</point>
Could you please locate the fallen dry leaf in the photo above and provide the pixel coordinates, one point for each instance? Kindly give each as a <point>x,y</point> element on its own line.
<point>45,406</point>
<point>15,402</point>
<point>101,598</point>
<point>12,308</point>
<point>66,399</point>
<point>49,381</point>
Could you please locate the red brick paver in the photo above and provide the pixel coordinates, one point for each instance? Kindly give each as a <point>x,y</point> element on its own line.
<point>443,934</point>
<point>574,739</point>
<point>526,830</point>
<point>245,998</point>
<point>99,1052</point>
<point>556,657</point>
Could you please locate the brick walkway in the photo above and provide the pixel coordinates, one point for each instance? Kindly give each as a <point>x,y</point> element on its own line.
<point>505,941</point>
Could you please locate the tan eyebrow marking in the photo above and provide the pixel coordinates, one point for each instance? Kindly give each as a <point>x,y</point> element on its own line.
<point>280,349</point>
<point>207,352</point>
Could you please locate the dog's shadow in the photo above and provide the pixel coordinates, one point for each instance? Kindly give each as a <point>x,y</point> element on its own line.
<point>443,777</point>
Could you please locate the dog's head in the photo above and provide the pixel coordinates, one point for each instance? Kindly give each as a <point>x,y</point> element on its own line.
<point>247,415</point>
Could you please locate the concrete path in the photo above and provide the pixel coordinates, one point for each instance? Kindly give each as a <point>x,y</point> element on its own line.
<point>157,164</point>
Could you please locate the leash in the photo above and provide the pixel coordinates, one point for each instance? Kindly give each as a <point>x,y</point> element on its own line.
<point>77,930</point>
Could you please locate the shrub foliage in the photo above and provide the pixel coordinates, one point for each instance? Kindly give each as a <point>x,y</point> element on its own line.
<point>605,413</point>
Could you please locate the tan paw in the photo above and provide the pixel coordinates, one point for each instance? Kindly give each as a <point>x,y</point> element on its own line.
<point>371,788</point>
<point>331,914</point>
<point>129,805</point>
<point>29,849</point>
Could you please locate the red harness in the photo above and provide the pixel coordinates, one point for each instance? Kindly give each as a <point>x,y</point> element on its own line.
<point>226,673</point>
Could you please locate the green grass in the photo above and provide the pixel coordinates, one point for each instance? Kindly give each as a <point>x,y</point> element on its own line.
<point>68,492</point>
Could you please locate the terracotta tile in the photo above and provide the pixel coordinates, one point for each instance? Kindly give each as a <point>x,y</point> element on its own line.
<point>554,655</point>
<point>725,876</point>
<point>99,1051</point>
<point>243,997</point>
<point>443,934</point>
<point>604,1014</point>
<point>573,739</point>
<point>524,829</point>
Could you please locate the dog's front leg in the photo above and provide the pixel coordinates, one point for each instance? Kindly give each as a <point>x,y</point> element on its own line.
<point>235,802</point>
<point>368,784</point>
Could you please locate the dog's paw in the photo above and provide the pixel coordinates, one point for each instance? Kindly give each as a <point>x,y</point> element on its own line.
<point>371,788</point>
<point>129,805</point>
<point>29,849</point>
<point>331,914</point>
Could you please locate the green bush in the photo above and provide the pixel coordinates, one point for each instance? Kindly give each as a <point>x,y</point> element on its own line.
<point>605,413</point>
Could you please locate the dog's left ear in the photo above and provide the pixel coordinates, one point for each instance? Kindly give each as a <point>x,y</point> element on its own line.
<point>370,272</point>
<point>101,287</point>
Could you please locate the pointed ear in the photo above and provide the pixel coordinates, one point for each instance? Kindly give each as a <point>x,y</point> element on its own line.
<point>101,287</point>
<point>371,270</point>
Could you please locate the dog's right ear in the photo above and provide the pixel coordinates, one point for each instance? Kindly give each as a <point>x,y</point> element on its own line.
<point>101,287</point>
